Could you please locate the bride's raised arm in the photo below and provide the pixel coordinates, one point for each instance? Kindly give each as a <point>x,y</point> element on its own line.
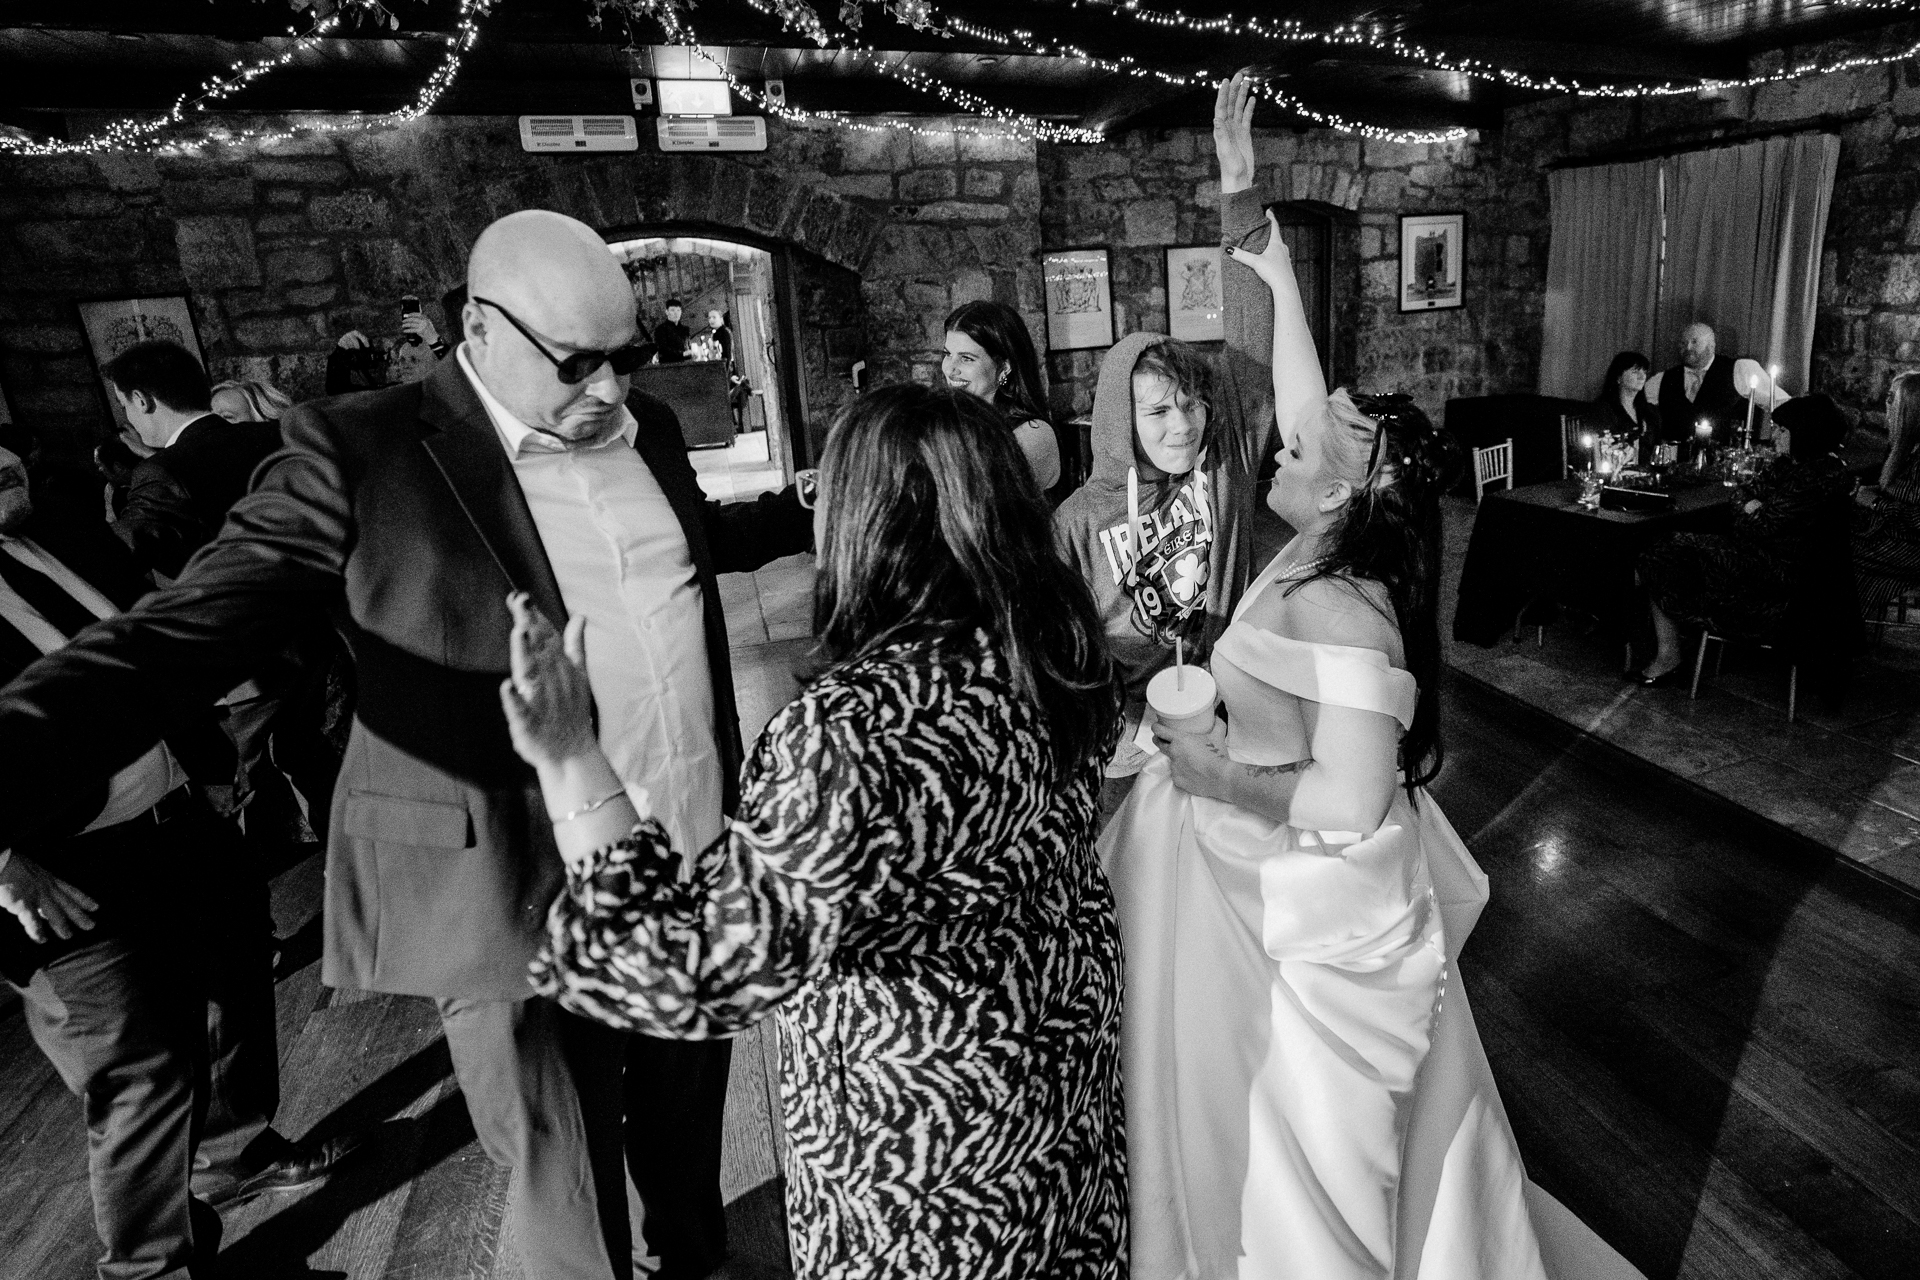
<point>1297,379</point>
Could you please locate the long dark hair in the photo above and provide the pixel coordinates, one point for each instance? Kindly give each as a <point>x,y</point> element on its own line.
<point>1389,532</point>
<point>1003,335</point>
<point>934,528</point>
<point>1610,385</point>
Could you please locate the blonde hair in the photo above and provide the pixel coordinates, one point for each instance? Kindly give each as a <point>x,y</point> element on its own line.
<point>266,401</point>
<point>1903,424</point>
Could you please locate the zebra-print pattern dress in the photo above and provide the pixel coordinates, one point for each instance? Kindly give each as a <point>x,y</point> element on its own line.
<point>909,893</point>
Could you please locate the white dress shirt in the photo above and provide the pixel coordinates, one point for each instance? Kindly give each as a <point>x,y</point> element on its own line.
<point>145,782</point>
<point>621,559</point>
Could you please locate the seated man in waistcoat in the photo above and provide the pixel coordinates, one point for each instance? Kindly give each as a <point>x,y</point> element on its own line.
<point>1699,387</point>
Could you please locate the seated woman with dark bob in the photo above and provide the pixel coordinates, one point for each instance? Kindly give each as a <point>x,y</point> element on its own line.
<point>1742,582</point>
<point>909,885</point>
<point>1622,402</point>
<point>1886,539</point>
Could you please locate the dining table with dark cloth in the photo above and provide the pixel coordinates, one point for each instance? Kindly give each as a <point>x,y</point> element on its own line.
<point>1535,548</point>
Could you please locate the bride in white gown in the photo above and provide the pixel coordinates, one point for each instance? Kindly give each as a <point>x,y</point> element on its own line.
<point>1306,1093</point>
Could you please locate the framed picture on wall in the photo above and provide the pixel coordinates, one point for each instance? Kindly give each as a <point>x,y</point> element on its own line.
<point>1079,286</point>
<point>1432,261</point>
<point>1195,307</point>
<point>114,324</point>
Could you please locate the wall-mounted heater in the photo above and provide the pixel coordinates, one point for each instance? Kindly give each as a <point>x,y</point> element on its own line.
<point>578,133</point>
<point>712,133</point>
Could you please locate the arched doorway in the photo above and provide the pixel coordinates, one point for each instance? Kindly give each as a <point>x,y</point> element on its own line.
<point>799,333</point>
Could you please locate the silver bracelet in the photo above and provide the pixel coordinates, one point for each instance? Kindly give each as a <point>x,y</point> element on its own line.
<point>588,808</point>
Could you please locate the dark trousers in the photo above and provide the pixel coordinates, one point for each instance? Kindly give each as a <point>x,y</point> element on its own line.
<point>118,1021</point>
<point>676,1098</point>
<point>233,955</point>
<point>543,1088</point>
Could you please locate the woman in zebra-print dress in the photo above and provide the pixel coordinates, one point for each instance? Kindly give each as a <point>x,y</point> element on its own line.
<point>909,886</point>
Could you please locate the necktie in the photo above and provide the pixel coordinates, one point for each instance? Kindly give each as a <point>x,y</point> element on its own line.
<point>46,597</point>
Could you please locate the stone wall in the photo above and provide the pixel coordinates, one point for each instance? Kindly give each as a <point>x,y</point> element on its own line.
<point>1159,188</point>
<point>1868,323</point>
<point>282,248</point>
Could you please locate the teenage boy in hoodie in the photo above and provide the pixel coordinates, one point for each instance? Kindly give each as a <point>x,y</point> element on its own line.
<point>1195,425</point>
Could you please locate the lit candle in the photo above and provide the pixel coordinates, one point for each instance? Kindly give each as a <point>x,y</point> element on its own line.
<point>1773,389</point>
<point>1606,467</point>
<point>1703,428</point>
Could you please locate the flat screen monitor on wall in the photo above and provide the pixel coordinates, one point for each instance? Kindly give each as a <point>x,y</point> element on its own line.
<point>695,98</point>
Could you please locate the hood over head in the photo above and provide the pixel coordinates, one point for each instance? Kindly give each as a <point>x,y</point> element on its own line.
<point>1113,444</point>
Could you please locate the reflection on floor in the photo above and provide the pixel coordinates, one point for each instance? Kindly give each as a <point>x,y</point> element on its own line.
<point>738,473</point>
<point>1703,1036</point>
<point>1847,778</point>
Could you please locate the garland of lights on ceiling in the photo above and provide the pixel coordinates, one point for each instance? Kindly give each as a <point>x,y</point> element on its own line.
<point>804,19</point>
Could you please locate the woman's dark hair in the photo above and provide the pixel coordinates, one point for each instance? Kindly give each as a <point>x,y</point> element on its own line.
<point>164,370</point>
<point>1003,335</point>
<point>1817,425</point>
<point>934,529</point>
<point>1610,385</point>
<point>1389,532</point>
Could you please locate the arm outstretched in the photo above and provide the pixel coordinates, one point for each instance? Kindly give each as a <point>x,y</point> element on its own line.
<point>1297,380</point>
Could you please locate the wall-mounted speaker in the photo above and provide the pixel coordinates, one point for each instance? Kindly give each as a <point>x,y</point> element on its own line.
<point>776,93</point>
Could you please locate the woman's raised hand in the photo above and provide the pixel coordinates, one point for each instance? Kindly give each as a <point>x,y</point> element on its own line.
<point>548,701</point>
<point>1233,133</point>
<point>1273,263</point>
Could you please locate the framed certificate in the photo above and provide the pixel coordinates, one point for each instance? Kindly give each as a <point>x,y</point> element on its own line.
<point>1432,261</point>
<point>1195,308</point>
<point>1079,287</point>
<point>115,324</point>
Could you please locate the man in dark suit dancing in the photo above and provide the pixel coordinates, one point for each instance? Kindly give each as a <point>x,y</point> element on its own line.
<point>179,495</point>
<point>520,464</point>
<point>128,938</point>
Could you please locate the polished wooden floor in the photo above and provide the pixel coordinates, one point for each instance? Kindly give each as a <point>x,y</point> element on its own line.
<point>1707,1038</point>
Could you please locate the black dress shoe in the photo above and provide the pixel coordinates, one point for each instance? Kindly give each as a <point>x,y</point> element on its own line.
<point>306,1168</point>
<point>1674,679</point>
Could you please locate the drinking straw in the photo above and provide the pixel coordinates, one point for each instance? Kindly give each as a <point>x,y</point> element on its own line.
<point>1133,513</point>
<point>1179,663</point>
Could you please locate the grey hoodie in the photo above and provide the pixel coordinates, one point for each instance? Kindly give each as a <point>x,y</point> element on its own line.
<point>1202,518</point>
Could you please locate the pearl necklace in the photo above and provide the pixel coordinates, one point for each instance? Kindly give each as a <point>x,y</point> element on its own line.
<point>1293,571</point>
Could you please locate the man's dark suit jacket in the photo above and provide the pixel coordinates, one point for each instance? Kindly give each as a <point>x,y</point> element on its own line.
<point>398,511</point>
<point>179,497</point>
<point>116,871</point>
<point>1716,400</point>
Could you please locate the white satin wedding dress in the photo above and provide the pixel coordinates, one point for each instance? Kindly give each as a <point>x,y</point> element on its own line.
<point>1306,1094</point>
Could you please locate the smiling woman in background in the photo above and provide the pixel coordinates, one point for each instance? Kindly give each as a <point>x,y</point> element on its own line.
<point>990,354</point>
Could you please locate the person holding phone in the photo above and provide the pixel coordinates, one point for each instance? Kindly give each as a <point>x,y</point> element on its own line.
<point>358,363</point>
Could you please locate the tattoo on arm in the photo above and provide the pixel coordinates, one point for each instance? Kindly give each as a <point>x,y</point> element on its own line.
<point>1274,770</point>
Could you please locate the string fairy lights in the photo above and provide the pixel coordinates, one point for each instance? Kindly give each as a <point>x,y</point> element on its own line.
<point>1009,123</point>
<point>1372,37</point>
<point>151,135</point>
<point>802,17</point>
<point>1124,64</point>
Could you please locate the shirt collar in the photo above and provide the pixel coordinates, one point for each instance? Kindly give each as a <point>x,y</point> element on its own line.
<point>181,429</point>
<point>519,439</point>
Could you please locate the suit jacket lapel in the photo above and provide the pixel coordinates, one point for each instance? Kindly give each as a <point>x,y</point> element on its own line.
<point>666,456</point>
<point>467,450</point>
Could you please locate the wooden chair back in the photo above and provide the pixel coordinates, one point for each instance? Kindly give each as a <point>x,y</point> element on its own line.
<point>1492,464</point>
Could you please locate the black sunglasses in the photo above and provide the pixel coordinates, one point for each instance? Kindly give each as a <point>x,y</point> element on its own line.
<point>580,365</point>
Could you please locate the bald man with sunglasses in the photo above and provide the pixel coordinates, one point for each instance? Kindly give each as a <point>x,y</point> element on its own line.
<point>525,463</point>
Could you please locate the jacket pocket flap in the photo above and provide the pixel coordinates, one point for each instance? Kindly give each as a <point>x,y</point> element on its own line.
<point>397,820</point>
